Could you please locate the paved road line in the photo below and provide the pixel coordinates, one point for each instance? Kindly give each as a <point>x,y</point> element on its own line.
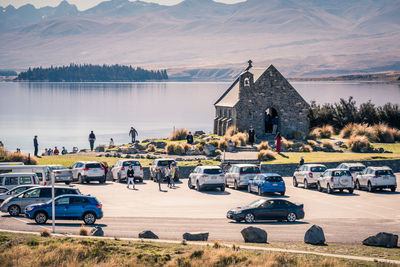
<point>18,219</point>
<point>349,257</point>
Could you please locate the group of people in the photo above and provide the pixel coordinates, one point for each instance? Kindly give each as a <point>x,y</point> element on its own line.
<point>55,151</point>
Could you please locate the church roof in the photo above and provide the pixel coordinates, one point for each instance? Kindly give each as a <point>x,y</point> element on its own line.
<point>231,96</point>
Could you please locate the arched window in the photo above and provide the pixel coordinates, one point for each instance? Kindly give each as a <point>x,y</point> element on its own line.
<point>246,82</point>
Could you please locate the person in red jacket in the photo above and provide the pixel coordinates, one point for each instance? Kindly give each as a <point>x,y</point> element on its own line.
<point>278,140</point>
<point>56,151</point>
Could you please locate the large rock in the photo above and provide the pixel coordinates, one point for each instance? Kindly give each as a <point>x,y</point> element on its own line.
<point>198,133</point>
<point>192,152</point>
<point>148,234</point>
<point>97,231</point>
<point>314,235</point>
<point>382,239</point>
<point>195,236</point>
<point>254,235</point>
<point>138,146</point>
<point>209,150</point>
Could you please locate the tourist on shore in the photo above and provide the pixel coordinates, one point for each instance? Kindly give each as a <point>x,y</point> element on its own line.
<point>130,174</point>
<point>104,164</point>
<point>64,151</point>
<point>92,138</point>
<point>252,135</point>
<point>18,151</point>
<point>36,145</point>
<point>278,140</point>
<point>1,144</point>
<point>133,133</point>
<point>301,162</point>
<point>168,175</point>
<point>111,143</point>
<point>46,151</point>
<point>189,138</point>
<point>173,172</point>
<point>275,122</point>
<point>159,178</point>
<point>56,151</point>
<point>199,163</point>
<point>75,149</point>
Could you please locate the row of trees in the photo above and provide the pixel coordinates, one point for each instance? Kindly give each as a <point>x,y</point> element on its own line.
<point>92,73</point>
<point>340,114</point>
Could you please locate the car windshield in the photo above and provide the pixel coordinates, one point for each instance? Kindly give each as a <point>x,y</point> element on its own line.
<point>164,163</point>
<point>318,169</point>
<point>341,173</point>
<point>384,172</point>
<point>357,169</point>
<point>249,169</point>
<point>52,168</point>
<point>129,163</point>
<point>213,171</point>
<point>93,165</point>
<point>273,179</point>
<point>256,203</point>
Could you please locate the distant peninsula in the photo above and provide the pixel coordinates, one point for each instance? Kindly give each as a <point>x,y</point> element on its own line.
<point>92,73</point>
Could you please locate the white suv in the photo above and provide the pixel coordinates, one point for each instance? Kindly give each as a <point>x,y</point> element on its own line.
<point>86,171</point>
<point>308,175</point>
<point>355,168</point>
<point>204,177</point>
<point>335,179</point>
<point>121,167</point>
<point>376,178</point>
<point>239,175</point>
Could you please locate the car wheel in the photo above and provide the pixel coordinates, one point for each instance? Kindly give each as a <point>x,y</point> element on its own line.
<point>370,188</point>
<point>89,218</point>
<point>190,184</point>
<point>198,186</point>
<point>358,186</point>
<point>291,217</point>
<point>223,188</point>
<point>393,188</point>
<point>295,183</point>
<point>248,189</point>
<point>351,190</point>
<point>341,190</point>
<point>236,186</point>
<point>282,193</point>
<point>80,179</point>
<point>319,187</point>
<point>305,184</point>
<point>40,217</point>
<point>14,210</point>
<point>249,218</point>
<point>328,189</point>
<point>67,183</point>
<point>259,191</point>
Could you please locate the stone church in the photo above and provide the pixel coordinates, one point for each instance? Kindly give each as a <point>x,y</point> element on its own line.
<point>264,99</point>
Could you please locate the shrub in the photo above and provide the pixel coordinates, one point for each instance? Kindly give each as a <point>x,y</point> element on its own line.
<point>263,146</point>
<point>359,143</point>
<point>231,131</point>
<point>365,130</point>
<point>297,145</point>
<point>7,156</point>
<point>199,146</point>
<point>327,145</point>
<point>313,143</point>
<point>151,148</point>
<point>176,148</point>
<point>170,148</point>
<point>384,133</point>
<point>186,147</point>
<point>222,144</point>
<point>266,155</point>
<point>236,140</point>
<point>306,148</point>
<point>296,135</point>
<point>179,149</point>
<point>286,144</point>
<point>240,139</point>
<point>396,134</point>
<point>347,130</point>
<point>45,233</point>
<point>213,142</point>
<point>83,231</point>
<point>178,134</point>
<point>326,131</point>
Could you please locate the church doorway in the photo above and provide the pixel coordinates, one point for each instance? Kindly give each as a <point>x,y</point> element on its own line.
<point>270,118</point>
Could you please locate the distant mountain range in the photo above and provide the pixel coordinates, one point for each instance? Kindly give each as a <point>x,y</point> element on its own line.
<point>203,39</point>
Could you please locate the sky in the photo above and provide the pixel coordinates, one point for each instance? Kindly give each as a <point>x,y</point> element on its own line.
<point>85,4</point>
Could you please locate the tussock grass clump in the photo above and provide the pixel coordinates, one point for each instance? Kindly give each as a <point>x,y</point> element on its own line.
<point>178,134</point>
<point>231,131</point>
<point>7,156</point>
<point>243,138</point>
<point>151,148</point>
<point>222,144</point>
<point>365,130</point>
<point>384,133</point>
<point>313,143</point>
<point>176,148</point>
<point>213,142</point>
<point>359,144</point>
<point>327,145</point>
<point>381,133</point>
<point>83,231</point>
<point>263,146</point>
<point>348,130</point>
<point>306,148</point>
<point>286,144</point>
<point>45,233</point>
<point>326,131</point>
<point>266,155</point>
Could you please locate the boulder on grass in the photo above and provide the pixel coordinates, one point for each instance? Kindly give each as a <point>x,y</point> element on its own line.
<point>254,235</point>
<point>314,235</point>
<point>148,234</point>
<point>209,150</point>
<point>195,236</point>
<point>382,239</point>
<point>97,231</point>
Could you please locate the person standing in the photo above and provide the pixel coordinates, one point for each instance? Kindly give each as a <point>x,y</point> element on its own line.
<point>252,135</point>
<point>56,151</point>
<point>159,178</point>
<point>275,122</point>
<point>133,133</point>
<point>168,175</point>
<point>301,161</point>
<point>189,138</point>
<point>64,151</point>
<point>278,140</point>
<point>173,171</point>
<point>36,145</point>
<point>111,143</point>
<point>130,174</point>
<point>199,163</point>
<point>92,138</point>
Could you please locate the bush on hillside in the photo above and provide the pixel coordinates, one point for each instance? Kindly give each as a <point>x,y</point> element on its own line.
<point>178,134</point>
<point>263,146</point>
<point>359,144</point>
<point>266,155</point>
<point>6,156</point>
<point>231,131</point>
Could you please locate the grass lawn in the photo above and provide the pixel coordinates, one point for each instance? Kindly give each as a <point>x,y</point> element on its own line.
<point>30,250</point>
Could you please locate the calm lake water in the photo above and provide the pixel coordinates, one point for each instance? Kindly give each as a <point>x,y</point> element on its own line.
<point>62,114</point>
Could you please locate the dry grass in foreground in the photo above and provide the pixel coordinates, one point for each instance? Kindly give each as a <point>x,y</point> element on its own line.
<point>28,250</point>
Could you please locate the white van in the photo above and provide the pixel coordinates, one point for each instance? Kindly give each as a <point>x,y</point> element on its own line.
<point>42,171</point>
<point>11,180</point>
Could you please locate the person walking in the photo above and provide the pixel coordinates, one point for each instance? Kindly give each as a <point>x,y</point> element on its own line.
<point>173,171</point>
<point>189,138</point>
<point>130,174</point>
<point>252,136</point>
<point>159,178</point>
<point>36,145</point>
<point>133,133</point>
<point>168,175</point>
<point>111,143</point>
<point>278,140</point>
<point>92,138</point>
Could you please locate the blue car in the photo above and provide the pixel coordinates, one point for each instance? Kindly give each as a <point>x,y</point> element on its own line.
<point>67,207</point>
<point>267,183</point>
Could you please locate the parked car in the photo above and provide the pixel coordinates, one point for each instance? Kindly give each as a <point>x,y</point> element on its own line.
<point>119,170</point>
<point>11,180</point>
<point>374,178</point>
<point>162,164</point>
<point>308,175</point>
<point>205,177</point>
<point>3,189</point>
<point>14,191</point>
<point>267,209</point>
<point>355,168</point>
<point>336,179</point>
<point>16,204</point>
<point>239,175</point>
<point>67,207</point>
<point>267,183</point>
<point>61,174</point>
<point>41,171</point>
<point>87,171</point>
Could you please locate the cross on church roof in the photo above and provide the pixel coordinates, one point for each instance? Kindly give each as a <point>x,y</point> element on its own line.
<point>250,64</point>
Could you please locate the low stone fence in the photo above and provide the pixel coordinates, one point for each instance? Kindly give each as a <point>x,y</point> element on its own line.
<point>288,169</point>
<point>183,171</point>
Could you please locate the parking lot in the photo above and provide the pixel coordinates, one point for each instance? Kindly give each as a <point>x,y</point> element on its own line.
<point>346,218</point>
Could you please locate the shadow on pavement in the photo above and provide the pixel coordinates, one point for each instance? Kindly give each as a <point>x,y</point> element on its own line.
<point>70,224</point>
<point>271,223</point>
<point>213,192</point>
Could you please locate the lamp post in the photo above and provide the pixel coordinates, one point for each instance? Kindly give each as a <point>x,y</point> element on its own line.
<point>53,208</point>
